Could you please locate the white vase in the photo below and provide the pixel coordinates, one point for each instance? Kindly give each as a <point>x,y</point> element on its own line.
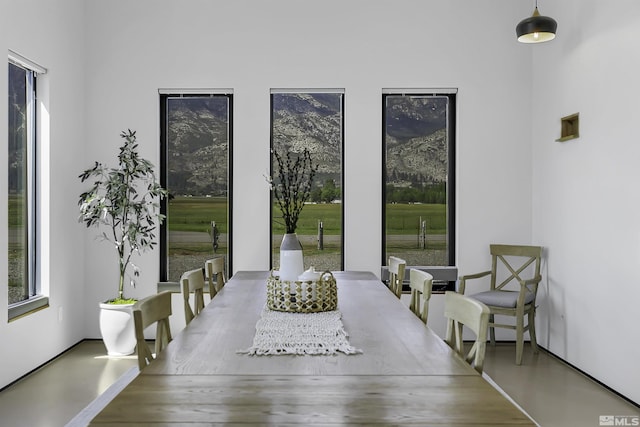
<point>116,327</point>
<point>291,261</point>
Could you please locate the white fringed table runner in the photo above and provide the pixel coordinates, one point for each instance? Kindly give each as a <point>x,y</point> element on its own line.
<point>280,332</point>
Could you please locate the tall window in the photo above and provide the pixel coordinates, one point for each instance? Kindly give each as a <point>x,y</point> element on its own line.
<point>22,184</point>
<point>312,119</point>
<point>196,143</point>
<point>419,172</point>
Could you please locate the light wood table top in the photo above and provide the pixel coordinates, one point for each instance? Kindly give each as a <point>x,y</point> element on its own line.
<point>405,375</point>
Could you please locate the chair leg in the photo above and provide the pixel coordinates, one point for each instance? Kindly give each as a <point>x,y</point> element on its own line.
<point>492,330</point>
<point>519,338</point>
<point>425,311</point>
<point>532,330</point>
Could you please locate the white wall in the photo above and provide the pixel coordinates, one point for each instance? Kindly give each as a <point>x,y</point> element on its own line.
<point>131,49</point>
<point>49,33</point>
<point>577,199</point>
<point>134,48</point>
<point>585,195</point>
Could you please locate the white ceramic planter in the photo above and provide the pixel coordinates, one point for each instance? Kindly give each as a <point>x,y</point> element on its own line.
<point>291,262</point>
<point>116,327</point>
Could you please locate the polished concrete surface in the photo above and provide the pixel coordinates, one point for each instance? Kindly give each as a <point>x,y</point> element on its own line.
<point>54,394</point>
<point>551,392</point>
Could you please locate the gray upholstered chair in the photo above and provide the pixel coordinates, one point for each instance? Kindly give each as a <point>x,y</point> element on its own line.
<point>508,264</point>
<point>152,309</point>
<point>214,272</point>
<point>464,311</point>
<point>420,283</point>
<point>396,268</point>
<point>192,282</point>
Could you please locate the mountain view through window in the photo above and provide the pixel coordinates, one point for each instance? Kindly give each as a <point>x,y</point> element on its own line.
<point>196,154</point>
<point>418,168</point>
<point>312,121</point>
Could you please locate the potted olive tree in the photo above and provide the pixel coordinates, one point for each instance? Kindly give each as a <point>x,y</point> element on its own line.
<point>123,203</point>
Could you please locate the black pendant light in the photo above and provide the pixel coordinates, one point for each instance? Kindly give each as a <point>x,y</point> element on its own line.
<point>536,28</point>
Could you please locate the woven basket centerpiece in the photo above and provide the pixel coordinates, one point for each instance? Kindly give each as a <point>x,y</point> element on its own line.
<point>303,296</point>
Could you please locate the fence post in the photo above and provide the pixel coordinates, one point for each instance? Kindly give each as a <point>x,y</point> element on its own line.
<point>320,236</point>
<point>215,235</point>
<point>423,234</point>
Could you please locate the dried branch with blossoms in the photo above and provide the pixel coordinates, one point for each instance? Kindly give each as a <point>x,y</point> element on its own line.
<point>291,183</point>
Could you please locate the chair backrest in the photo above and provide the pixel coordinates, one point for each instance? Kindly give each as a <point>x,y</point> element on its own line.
<point>396,268</point>
<point>215,275</point>
<point>461,310</point>
<point>192,281</point>
<point>152,309</point>
<point>420,283</point>
<point>515,259</point>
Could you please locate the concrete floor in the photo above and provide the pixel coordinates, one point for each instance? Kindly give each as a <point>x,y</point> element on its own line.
<point>55,393</point>
<point>551,392</point>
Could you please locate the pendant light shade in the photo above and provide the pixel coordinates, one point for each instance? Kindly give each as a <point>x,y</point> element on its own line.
<point>536,28</point>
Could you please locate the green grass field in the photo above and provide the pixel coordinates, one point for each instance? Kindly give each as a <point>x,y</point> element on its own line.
<point>405,218</point>
<point>196,213</point>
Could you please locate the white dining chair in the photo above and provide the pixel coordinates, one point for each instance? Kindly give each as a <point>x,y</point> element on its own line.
<point>396,268</point>
<point>152,309</point>
<point>420,283</point>
<point>192,282</point>
<point>464,311</point>
<point>214,272</point>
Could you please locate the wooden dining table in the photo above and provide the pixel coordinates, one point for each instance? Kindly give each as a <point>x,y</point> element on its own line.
<point>405,374</point>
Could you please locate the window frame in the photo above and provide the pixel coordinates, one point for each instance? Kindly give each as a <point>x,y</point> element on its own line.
<point>35,299</point>
<point>445,274</point>
<point>280,91</point>
<point>165,95</point>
